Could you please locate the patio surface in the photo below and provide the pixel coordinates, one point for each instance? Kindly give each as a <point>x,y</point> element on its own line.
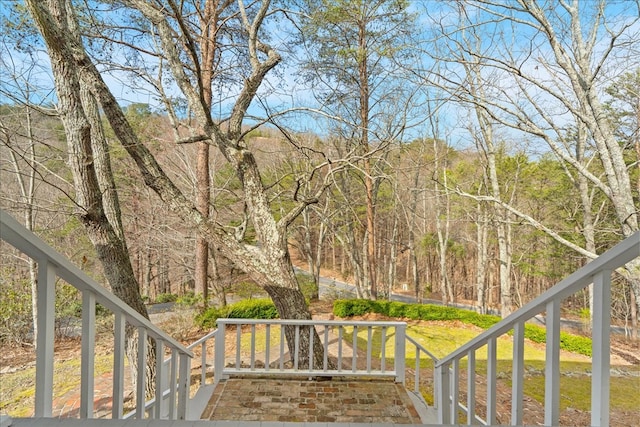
<point>296,400</point>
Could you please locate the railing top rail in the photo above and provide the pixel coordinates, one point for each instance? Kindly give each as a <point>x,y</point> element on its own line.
<point>294,322</point>
<point>202,339</point>
<point>612,259</point>
<point>27,242</point>
<point>422,349</point>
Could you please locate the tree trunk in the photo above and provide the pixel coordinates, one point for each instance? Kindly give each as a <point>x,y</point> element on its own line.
<point>269,265</point>
<point>78,114</point>
<point>203,196</point>
<point>393,256</point>
<point>26,183</point>
<point>290,304</point>
<point>482,232</point>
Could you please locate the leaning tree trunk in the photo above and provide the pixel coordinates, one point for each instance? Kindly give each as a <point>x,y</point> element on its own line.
<point>82,128</point>
<point>268,265</point>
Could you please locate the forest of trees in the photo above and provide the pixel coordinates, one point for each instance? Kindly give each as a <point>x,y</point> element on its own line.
<point>471,151</point>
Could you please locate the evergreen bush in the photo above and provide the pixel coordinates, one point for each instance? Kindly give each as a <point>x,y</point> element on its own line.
<point>246,309</point>
<point>429,312</point>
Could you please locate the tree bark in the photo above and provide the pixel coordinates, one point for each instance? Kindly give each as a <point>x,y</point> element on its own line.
<point>78,114</point>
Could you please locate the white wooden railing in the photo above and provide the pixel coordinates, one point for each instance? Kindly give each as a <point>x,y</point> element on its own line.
<point>598,272</point>
<point>419,351</point>
<point>342,336</point>
<point>172,383</point>
<point>278,362</point>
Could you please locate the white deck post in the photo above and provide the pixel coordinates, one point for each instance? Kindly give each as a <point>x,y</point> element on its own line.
<point>159,378</point>
<point>118,366</point>
<point>46,289</point>
<point>88,354</point>
<point>203,362</point>
<point>173,382</point>
<point>218,356</point>
<point>400,353</point>
<point>444,398</point>
<point>471,387</point>
<point>517,374</point>
<point>601,359</point>
<point>492,380</point>
<point>455,392</point>
<point>141,374</point>
<point>552,366</point>
<point>183,386</point>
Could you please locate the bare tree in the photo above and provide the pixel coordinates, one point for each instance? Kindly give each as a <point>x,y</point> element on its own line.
<point>268,264</point>
<point>551,63</point>
<point>351,52</point>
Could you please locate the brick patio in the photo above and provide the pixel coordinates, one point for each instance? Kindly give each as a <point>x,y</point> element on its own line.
<point>296,400</point>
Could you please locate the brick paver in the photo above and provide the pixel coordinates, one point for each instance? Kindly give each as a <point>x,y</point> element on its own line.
<point>295,400</point>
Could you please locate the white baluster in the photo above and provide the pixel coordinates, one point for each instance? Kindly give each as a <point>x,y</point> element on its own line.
<point>159,378</point>
<point>118,366</point>
<point>173,382</point>
<point>517,375</point>
<point>219,353</point>
<point>400,352</point>
<point>471,387</point>
<point>600,382</point>
<point>492,380</point>
<point>552,366</point>
<point>141,377</point>
<point>444,398</point>
<point>46,287</point>
<point>88,354</point>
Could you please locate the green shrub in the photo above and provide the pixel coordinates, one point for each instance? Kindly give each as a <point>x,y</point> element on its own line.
<point>428,312</point>
<point>575,343</point>
<point>485,321</point>
<point>341,308</point>
<point>207,319</point>
<point>396,309</point>
<point>163,298</point>
<point>246,309</point>
<point>413,311</point>
<point>535,333</point>
<point>252,309</point>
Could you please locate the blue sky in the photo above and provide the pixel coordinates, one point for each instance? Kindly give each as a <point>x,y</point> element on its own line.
<point>290,92</point>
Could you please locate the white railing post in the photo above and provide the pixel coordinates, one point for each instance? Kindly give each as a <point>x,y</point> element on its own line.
<point>455,391</point>
<point>141,374</point>
<point>117,408</point>
<point>601,359</point>
<point>517,374</point>
<point>183,386</point>
<point>492,380</point>
<point>267,352</point>
<point>173,382</point>
<point>159,378</point>
<point>444,398</point>
<point>45,287</point>
<point>218,357</point>
<point>203,361</point>
<point>87,354</point>
<point>552,365</point>
<point>383,348</point>
<point>416,377</point>
<point>400,352</point>
<point>471,387</point>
